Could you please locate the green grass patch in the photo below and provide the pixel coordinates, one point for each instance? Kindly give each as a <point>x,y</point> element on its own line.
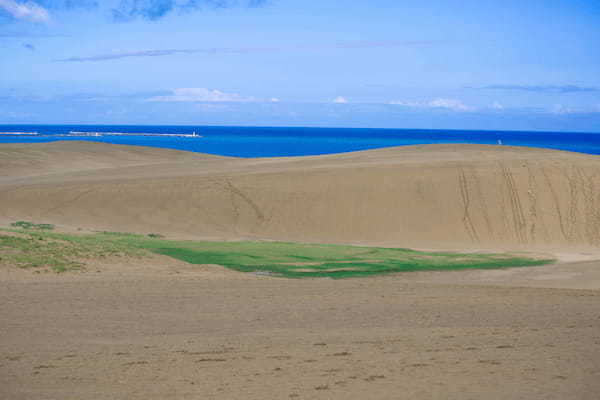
<point>57,252</point>
<point>60,252</point>
<point>30,225</point>
<point>294,260</point>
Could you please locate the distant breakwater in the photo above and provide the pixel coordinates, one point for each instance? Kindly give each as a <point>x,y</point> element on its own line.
<point>76,133</point>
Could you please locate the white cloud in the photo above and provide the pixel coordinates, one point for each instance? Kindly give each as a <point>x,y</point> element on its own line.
<point>274,100</point>
<point>340,100</point>
<point>497,106</point>
<point>407,103</point>
<point>451,104</point>
<point>27,11</point>
<point>202,95</point>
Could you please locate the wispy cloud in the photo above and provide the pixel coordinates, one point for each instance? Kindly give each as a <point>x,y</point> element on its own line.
<point>69,4</point>
<point>560,109</point>
<point>234,50</point>
<point>441,103</point>
<point>451,104</point>
<point>124,11</point>
<point>39,10</point>
<point>203,95</point>
<point>25,11</point>
<point>340,100</point>
<point>160,53</point>
<point>544,89</point>
<point>28,35</point>
<point>157,9</point>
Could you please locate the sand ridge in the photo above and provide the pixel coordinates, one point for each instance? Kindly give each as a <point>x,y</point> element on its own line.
<point>458,195</point>
<point>34,159</point>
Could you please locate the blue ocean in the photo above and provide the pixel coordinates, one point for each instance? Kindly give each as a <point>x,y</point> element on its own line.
<point>281,141</point>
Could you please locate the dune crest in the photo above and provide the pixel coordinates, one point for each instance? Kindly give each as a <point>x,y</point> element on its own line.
<point>429,195</point>
<point>18,159</point>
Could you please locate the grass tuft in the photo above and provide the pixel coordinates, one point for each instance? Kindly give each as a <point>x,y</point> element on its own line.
<point>31,225</point>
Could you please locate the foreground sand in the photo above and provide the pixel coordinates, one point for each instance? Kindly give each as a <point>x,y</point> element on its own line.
<point>161,329</point>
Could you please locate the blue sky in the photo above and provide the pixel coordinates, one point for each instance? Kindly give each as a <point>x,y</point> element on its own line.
<point>470,64</point>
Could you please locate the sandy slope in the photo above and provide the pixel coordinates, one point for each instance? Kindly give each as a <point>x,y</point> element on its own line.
<point>462,196</point>
<point>40,159</point>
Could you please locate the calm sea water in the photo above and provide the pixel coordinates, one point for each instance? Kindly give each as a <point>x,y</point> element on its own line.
<point>272,142</point>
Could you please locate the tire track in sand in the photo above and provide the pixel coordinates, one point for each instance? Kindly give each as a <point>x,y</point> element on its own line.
<point>516,208</point>
<point>463,185</point>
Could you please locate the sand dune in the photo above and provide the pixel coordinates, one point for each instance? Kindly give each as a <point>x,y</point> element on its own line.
<point>449,195</point>
<point>18,160</point>
<point>156,328</point>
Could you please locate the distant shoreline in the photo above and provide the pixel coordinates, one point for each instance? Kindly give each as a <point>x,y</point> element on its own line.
<point>76,133</point>
<point>97,134</point>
